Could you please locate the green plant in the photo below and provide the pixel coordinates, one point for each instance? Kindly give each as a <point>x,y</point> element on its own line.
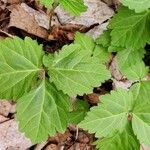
<point>42,93</point>
<point>74,7</point>
<point>122,118</point>
<point>43,84</point>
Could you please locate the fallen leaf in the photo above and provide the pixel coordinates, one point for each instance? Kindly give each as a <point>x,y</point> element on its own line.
<point>3,119</point>
<point>11,138</point>
<point>97,12</point>
<point>23,17</point>
<point>52,147</point>
<point>5,107</point>
<point>67,32</point>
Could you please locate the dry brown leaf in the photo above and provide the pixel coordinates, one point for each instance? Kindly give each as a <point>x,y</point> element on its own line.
<point>5,107</point>
<point>60,138</point>
<point>114,70</point>
<point>3,119</point>
<point>23,18</point>
<point>67,32</point>
<point>11,138</point>
<point>52,147</point>
<point>92,98</point>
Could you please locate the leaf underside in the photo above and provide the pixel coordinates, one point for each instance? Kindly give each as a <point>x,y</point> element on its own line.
<point>75,72</point>
<point>43,112</point>
<point>20,63</point>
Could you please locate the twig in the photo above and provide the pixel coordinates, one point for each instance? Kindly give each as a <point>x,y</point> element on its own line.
<point>9,35</point>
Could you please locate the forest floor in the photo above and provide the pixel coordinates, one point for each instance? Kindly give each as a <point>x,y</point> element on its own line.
<point>28,18</point>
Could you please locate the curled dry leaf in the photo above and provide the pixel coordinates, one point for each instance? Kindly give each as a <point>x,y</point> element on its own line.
<point>27,19</point>
<point>60,138</point>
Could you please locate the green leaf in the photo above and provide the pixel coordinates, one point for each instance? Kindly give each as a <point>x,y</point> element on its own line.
<point>85,41</point>
<point>104,39</point>
<point>43,112</point>
<point>80,110</point>
<point>102,54</point>
<point>110,115</point>
<point>141,127</point>
<point>20,62</point>
<point>75,72</point>
<point>141,91</point>
<point>137,5</point>
<point>141,111</point>
<point>120,141</point>
<point>47,3</point>
<point>128,28</point>
<point>131,65</point>
<point>48,60</point>
<point>74,7</point>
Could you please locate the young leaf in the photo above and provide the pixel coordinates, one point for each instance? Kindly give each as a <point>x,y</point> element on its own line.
<point>128,28</point>
<point>74,7</point>
<point>131,65</point>
<point>110,115</point>
<point>120,141</point>
<point>85,41</point>
<point>48,60</point>
<point>75,72</point>
<point>101,54</point>
<point>137,5</point>
<point>20,64</point>
<point>104,39</point>
<point>80,110</point>
<point>43,112</point>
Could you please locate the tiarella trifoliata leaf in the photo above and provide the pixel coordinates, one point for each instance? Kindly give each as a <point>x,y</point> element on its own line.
<point>141,112</point>
<point>74,7</point>
<point>137,5</point>
<point>47,3</point>
<point>110,115</point>
<point>118,109</point>
<point>141,92</point>
<point>120,141</point>
<point>48,60</point>
<point>129,29</point>
<point>79,111</point>
<point>104,39</point>
<point>136,71</point>
<point>141,126</point>
<point>20,64</point>
<point>85,41</point>
<point>101,53</point>
<point>75,72</point>
<point>131,65</point>
<point>43,112</point>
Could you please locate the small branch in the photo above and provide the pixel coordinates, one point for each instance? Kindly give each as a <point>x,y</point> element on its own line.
<point>51,13</point>
<point>9,35</point>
